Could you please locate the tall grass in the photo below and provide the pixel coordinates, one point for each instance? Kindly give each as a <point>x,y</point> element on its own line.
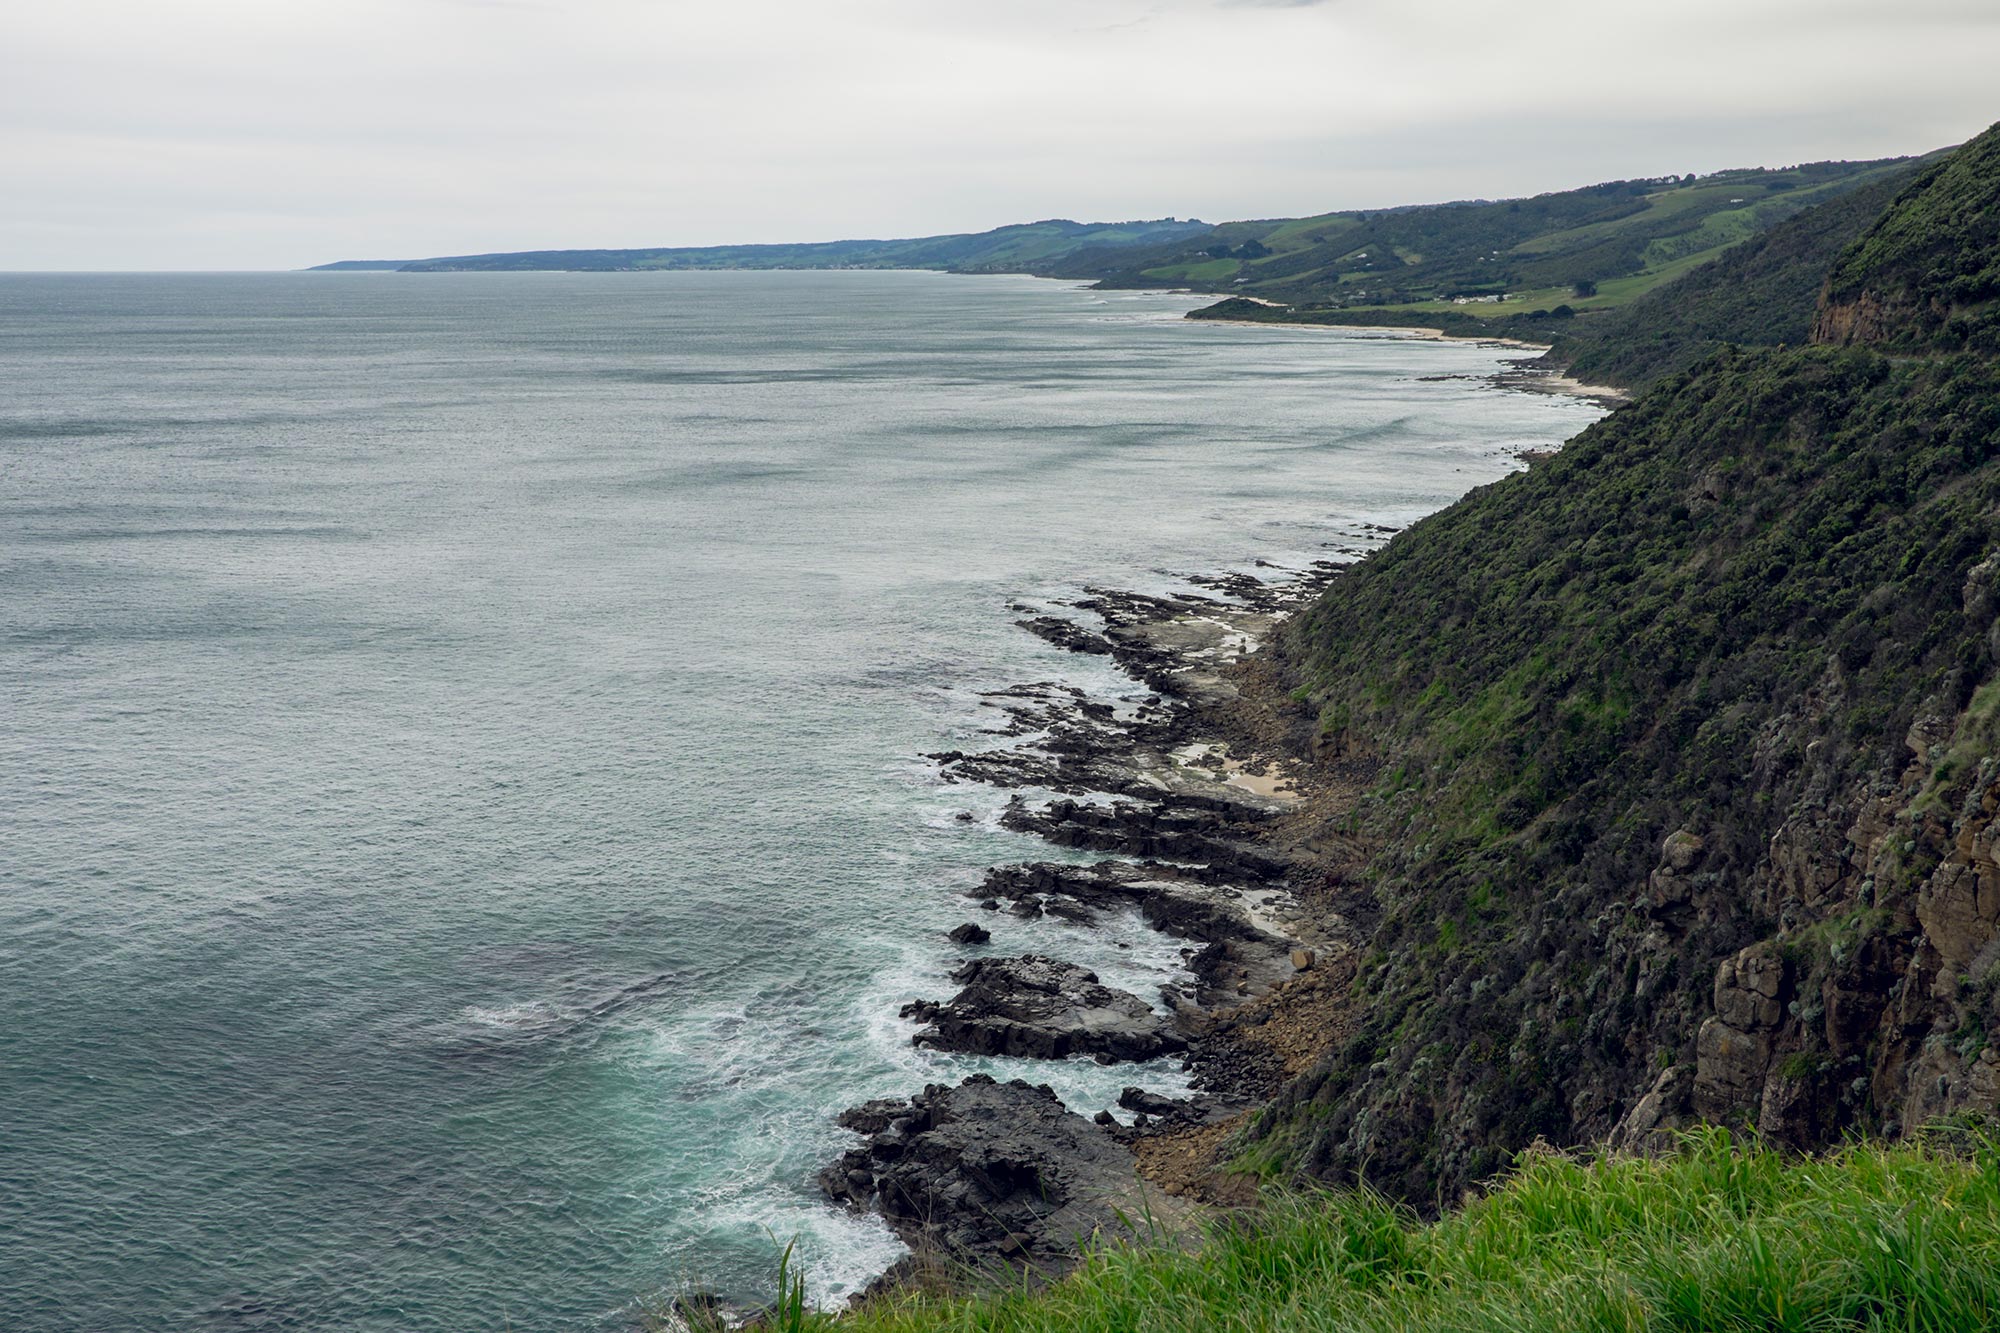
<point>1722,1235</point>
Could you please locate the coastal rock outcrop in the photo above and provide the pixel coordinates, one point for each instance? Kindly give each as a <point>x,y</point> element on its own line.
<point>986,1171</point>
<point>1178,829</point>
<point>1042,1009</point>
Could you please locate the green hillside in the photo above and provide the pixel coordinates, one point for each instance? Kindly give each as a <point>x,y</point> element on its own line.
<point>1587,249</point>
<point>1012,249</point>
<point>1927,275</point>
<point>1479,261</point>
<point>1761,293</point>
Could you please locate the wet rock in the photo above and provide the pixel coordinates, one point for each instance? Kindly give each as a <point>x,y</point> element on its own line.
<point>700,1308</point>
<point>1176,830</point>
<point>1150,1103</point>
<point>969,933</point>
<point>872,1117</point>
<point>1066,634</point>
<point>987,1171</point>
<point>1042,1009</point>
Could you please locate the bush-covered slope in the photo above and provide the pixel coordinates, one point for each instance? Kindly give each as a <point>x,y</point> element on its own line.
<point>1926,276</point>
<point>1718,609</point>
<point>1687,756</point>
<point>1588,249</point>
<point>1762,293</point>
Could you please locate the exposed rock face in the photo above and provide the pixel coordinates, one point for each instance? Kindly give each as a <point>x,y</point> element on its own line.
<point>1733,1047</point>
<point>1042,1009</point>
<point>1865,318</point>
<point>1872,1005</point>
<point>987,1170</point>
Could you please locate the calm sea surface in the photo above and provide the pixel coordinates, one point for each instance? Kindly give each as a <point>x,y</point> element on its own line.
<point>462,834</point>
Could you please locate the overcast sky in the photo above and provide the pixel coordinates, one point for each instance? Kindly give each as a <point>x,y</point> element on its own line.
<point>281,133</point>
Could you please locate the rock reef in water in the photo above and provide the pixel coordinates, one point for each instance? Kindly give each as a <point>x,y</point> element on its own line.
<point>988,1169</point>
<point>1042,1009</point>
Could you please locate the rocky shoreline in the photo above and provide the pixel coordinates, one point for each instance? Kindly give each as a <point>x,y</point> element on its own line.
<point>1193,797</point>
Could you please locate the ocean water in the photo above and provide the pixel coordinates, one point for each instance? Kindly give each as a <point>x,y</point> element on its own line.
<point>462,828</point>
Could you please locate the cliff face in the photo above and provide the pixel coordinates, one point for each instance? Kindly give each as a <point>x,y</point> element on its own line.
<point>1874,1002</point>
<point>1867,318</point>
<point>1682,755</point>
<point>1926,276</point>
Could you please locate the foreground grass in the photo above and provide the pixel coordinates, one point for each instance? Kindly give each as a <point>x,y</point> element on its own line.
<point>1722,1236</point>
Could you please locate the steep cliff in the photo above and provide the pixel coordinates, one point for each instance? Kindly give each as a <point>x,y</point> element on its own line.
<point>1926,276</point>
<point>1682,755</point>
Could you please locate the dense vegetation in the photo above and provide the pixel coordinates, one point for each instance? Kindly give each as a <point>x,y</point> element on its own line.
<point>1718,1238</point>
<point>1929,269</point>
<point>1583,250</point>
<point>1020,248</point>
<point>1761,293</point>
<point>1759,564</point>
<point>1724,611</point>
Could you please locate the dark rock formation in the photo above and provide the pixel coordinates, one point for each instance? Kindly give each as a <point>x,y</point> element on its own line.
<point>970,934</point>
<point>1172,829</point>
<point>987,1171</point>
<point>1042,1009</point>
<point>1066,634</point>
<point>1150,1103</point>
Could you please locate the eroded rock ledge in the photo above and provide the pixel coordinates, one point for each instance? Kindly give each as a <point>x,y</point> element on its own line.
<point>1045,1010</point>
<point>989,1169</point>
<point>1188,798</point>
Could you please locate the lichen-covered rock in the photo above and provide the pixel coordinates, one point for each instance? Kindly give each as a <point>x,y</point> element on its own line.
<point>1733,1047</point>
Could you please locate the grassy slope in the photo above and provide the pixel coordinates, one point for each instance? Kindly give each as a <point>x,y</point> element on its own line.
<point>1761,293</point>
<point>1720,1238</point>
<point>1627,237</point>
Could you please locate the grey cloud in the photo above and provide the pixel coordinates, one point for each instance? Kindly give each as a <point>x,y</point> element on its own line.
<point>227,133</point>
